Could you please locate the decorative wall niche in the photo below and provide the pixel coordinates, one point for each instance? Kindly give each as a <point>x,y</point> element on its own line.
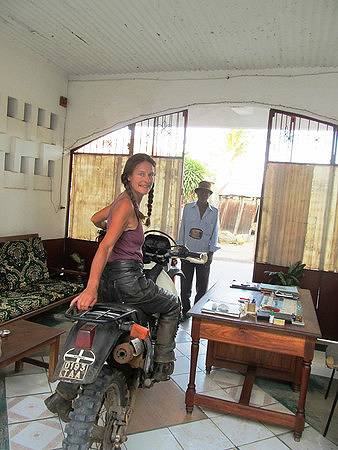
<point>53,121</point>
<point>41,117</point>
<point>27,112</point>
<point>12,107</point>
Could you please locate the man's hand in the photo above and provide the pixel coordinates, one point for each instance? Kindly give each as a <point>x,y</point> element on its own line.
<point>210,256</point>
<point>85,300</point>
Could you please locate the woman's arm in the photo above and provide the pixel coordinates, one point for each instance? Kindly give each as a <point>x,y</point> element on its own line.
<point>100,217</point>
<point>122,212</point>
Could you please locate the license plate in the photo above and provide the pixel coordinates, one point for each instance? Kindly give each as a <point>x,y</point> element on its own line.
<point>72,370</point>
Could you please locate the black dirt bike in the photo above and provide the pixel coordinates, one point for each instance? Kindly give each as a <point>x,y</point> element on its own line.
<point>109,355</point>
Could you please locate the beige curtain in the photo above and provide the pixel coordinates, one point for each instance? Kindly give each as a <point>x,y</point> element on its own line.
<point>299,220</point>
<point>96,182</point>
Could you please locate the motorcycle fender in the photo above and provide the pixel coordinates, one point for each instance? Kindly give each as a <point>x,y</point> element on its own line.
<point>105,339</point>
<point>175,273</point>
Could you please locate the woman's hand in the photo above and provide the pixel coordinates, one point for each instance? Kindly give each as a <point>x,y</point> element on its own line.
<point>85,300</point>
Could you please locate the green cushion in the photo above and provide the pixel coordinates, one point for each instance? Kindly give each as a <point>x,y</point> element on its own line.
<point>21,263</point>
<point>31,298</point>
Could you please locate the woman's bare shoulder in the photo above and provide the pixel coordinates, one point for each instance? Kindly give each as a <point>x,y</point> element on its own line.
<point>122,204</point>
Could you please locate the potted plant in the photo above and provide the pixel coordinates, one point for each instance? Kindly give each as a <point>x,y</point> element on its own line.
<point>292,277</point>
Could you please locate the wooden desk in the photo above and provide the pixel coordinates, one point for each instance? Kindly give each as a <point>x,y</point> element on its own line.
<point>293,340</point>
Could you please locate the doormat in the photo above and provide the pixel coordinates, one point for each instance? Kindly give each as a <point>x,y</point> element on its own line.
<point>161,406</point>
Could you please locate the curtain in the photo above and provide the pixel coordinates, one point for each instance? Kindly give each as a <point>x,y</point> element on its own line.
<point>96,182</point>
<point>299,219</point>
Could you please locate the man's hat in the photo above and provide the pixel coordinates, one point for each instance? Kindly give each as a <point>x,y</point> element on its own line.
<point>206,185</point>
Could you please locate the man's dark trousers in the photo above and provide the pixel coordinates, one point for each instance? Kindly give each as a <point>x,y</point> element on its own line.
<point>202,279</point>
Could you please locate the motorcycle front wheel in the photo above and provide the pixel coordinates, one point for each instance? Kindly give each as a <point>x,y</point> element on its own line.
<point>98,418</point>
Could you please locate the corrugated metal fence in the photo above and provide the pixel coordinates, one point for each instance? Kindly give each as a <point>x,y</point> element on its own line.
<point>238,213</point>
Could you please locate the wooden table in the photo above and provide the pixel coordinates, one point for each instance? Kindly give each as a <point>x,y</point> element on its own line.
<point>294,340</point>
<point>27,338</point>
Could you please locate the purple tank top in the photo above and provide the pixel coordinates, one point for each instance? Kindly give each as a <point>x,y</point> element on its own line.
<point>129,245</point>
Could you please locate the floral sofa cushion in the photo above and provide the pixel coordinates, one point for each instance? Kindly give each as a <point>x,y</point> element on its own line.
<point>21,263</point>
<point>32,297</point>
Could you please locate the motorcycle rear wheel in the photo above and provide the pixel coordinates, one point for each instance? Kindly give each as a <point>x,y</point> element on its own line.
<point>94,421</point>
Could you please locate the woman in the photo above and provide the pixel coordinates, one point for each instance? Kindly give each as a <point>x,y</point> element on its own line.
<point>119,260</point>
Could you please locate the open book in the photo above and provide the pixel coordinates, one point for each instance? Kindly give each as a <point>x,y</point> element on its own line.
<point>223,308</point>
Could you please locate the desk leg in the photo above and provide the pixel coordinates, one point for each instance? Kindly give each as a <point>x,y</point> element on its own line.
<point>18,367</point>
<point>53,357</point>
<point>190,394</point>
<point>209,357</point>
<point>300,416</point>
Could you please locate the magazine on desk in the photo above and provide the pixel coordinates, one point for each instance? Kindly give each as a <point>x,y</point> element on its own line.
<point>286,291</point>
<point>232,309</point>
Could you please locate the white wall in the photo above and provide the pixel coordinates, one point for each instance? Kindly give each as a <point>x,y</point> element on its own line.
<point>30,199</point>
<point>99,106</point>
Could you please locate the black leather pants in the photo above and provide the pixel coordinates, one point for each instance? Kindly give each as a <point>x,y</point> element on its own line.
<point>125,282</point>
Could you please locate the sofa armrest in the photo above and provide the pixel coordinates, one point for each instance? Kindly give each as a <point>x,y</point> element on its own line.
<point>68,274</point>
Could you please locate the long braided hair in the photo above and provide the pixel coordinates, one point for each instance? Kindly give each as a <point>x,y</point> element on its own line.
<point>129,167</point>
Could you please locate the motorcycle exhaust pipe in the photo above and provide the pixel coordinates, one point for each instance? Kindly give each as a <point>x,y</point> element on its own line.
<point>125,352</point>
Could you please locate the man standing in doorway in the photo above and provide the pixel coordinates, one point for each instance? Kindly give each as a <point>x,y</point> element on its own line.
<point>199,232</point>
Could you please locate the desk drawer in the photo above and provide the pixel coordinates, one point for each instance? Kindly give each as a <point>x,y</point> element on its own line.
<point>254,338</point>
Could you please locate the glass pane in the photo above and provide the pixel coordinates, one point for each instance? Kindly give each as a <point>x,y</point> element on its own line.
<point>281,139</point>
<point>169,135</point>
<point>312,142</point>
<point>144,136</point>
<point>114,143</point>
<point>160,136</point>
<point>299,140</point>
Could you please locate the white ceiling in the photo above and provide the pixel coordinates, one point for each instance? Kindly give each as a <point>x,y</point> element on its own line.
<point>102,37</point>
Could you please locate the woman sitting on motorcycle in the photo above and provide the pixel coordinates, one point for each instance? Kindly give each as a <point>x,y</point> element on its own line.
<point>117,270</point>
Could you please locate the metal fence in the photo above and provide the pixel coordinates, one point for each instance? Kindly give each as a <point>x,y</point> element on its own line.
<point>238,214</point>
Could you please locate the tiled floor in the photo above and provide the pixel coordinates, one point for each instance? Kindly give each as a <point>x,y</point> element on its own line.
<point>31,426</point>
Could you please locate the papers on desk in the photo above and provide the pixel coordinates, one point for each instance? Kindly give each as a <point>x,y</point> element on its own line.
<point>223,308</point>
<point>281,291</point>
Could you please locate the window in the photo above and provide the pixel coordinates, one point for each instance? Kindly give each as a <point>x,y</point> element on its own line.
<point>300,139</point>
<point>299,215</point>
<point>97,168</point>
<point>114,143</point>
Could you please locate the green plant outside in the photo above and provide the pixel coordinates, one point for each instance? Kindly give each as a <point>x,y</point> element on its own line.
<point>194,172</point>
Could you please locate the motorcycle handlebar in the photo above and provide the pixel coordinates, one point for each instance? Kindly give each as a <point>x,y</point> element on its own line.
<point>183,252</point>
<point>193,257</point>
<point>197,258</point>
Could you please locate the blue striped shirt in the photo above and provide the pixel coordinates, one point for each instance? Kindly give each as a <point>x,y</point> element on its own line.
<point>191,218</point>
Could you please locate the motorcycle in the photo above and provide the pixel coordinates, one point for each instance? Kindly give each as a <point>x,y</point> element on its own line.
<point>109,354</point>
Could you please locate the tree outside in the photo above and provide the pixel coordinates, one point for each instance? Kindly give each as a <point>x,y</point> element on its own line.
<point>194,172</point>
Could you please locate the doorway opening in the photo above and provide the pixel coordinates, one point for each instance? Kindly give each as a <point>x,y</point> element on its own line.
<point>229,143</point>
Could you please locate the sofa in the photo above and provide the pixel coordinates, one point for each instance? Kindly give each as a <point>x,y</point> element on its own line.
<point>26,286</point>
